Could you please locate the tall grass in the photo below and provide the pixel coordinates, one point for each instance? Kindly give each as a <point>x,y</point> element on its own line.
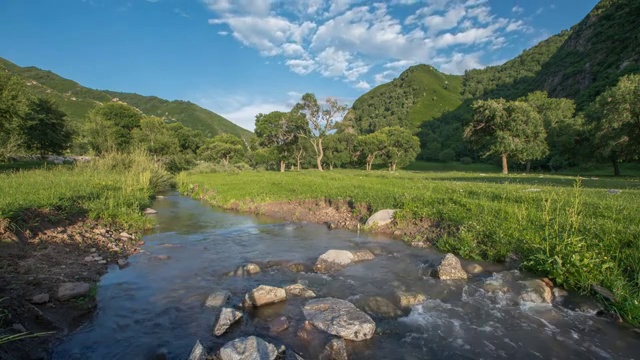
<point>570,230</point>
<point>113,188</point>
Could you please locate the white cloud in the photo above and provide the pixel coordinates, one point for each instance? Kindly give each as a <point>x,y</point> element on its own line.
<point>400,64</point>
<point>223,33</point>
<point>384,76</point>
<point>292,49</point>
<point>437,23</point>
<point>254,7</point>
<point>457,63</point>
<point>301,66</point>
<point>517,9</point>
<point>180,12</point>
<point>362,85</point>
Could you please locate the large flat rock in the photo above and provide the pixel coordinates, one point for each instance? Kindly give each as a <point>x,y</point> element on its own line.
<point>264,295</point>
<point>340,318</point>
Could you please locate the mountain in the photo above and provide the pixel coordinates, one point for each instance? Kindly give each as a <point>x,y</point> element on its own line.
<point>419,94</point>
<point>77,100</point>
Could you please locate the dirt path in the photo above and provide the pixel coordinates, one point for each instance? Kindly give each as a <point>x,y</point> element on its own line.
<point>35,259</point>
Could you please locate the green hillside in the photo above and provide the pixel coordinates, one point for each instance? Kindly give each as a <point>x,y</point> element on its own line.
<point>77,100</point>
<point>419,94</point>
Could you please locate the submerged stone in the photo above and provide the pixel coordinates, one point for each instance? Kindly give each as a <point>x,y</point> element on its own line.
<point>217,299</point>
<point>450,269</point>
<point>340,318</point>
<point>299,290</point>
<point>536,291</point>
<point>336,349</point>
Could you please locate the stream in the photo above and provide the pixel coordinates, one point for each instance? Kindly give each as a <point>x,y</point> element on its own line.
<point>154,308</point>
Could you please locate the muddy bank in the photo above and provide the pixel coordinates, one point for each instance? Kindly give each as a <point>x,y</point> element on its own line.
<point>38,254</point>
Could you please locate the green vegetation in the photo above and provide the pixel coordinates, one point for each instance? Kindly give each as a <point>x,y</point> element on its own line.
<point>114,188</point>
<point>77,101</point>
<point>570,230</point>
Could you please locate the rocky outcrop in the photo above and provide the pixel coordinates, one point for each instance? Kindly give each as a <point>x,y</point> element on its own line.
<point>535,291</point>
<point>450,269</point>
<point>263,295</point>
<point>299,290</point>
<point>381,218</point>
<point>217,299</point>
<point>68,291</point>
<point>340,318</point>
<point>228,316</point>
<point>335,260</point>
<point>248,348</point>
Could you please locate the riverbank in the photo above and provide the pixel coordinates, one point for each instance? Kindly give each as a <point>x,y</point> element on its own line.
<point>60,229</point>
<point>566,228</point>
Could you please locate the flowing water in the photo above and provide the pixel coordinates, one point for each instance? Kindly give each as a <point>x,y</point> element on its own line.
<point>155,308</point>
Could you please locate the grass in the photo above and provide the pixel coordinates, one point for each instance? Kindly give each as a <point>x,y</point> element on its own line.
<point>113,188</point>
<point>570,229</point>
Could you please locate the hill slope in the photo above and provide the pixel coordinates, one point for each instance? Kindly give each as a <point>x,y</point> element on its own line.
<point>419,94</point>
<point>77,100</point>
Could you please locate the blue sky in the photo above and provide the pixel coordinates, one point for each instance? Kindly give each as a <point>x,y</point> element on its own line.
<point>242,57</point>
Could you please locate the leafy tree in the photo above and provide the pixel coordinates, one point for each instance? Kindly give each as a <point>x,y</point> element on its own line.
<point>45,129</point>
<point>281,131</point>
<point>155,136</point>
<point>447,155</point>
<point>370,146</point>
<point>401,146</point>
<point>14,101</point>
<point>615,118</point>
<point>189,140</point>
<point>109,127</point>
<point>339,149</point>
<point>321,120</point>
<point>508,129</point>
<point>223,147</point>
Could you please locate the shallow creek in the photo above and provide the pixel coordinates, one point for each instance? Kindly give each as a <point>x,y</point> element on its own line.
<point>154,308</point>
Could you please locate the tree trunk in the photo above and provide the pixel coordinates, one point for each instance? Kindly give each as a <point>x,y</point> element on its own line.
<point>298,163</point>
<point>616,166</point>
<point>394,166</point>
<point>225,161</point>
<point>330,166</point>
<point>282,165</point>
<point>528,167</point>
<point>505,168</point>
<point>320,154</point>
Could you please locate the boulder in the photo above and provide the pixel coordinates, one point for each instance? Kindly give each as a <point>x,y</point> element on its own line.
<point>40,299</point>
<point>407,299</point>
<point>228,316</point>
<point>333,260</point>
<point>150,211</point>
<point>278,324</point>
<point>340,318</point>
<point>248,348</point>
<point>263,295</point>
<point>198,352</point>
<point>217,299</point>
<point>378,306</point>
<point>450,269</point>
<point>474,269</point>
<point>299,290</point>
<point>362,255</point>
<point>336,349</point>
<point>381,218</point>
<point>72,290</point>
<point>536,291</point>
<point>245,270</point>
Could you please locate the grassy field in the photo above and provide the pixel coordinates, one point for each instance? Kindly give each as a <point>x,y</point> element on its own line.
<point>113,189</point>
<point>567,228</point>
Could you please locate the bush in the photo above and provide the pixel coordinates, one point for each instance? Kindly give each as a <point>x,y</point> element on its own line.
<point>209,168</point>
<point>466,161</point>
<point>447,155</point>
<point>242,166</point>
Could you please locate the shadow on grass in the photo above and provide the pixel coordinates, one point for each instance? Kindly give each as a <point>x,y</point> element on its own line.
<point>27,165</point>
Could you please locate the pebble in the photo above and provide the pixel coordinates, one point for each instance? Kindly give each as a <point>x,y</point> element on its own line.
<point>123,262</point>
<point>40,298</point>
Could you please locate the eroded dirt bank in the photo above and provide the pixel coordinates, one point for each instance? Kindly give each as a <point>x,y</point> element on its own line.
<point>40,253</point>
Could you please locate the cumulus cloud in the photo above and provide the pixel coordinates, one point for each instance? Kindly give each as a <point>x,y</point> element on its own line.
<point>517,9</point>
<point>362,42</point>
<point>362,85</point>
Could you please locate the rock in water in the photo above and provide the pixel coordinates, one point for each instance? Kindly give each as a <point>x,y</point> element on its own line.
<point>217,299</point>
<point>605,293</point>
<point>378,306</point>
<point>228,316</point>
<point>68,291</point>
<point>474,269</point>
<point>361,255</point>
<point>333,260</point>
<point>248,348</point>
<point>278,324</point>
<point>198,352</point>
<point>536,291</point>
<point>336,349</point>
<point>407,299</point>
<point>299,290</point>
<point>381,218</point>
<point>150,211</point>
<point>263,295</point>
<point>245,270</point>
<point>450,269</point>
<point>340,318</point>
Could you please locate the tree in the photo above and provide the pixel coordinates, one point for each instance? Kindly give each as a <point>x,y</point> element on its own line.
<point>14,101</point>
<point>615,120</point>
<point>370,146</point>
<point>321,120</point>
<point>507,129</point>
<point>281,131</point>
<point>189,140</point>
<point>156,137</point>
<point>108,127</point>
<point>401,146</point>
<point>222,147</point>
<point>45,129</point>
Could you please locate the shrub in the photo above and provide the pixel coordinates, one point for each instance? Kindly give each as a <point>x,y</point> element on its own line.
<point>447,155</point>
<point>466,161</point>
<point>242,166</point>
